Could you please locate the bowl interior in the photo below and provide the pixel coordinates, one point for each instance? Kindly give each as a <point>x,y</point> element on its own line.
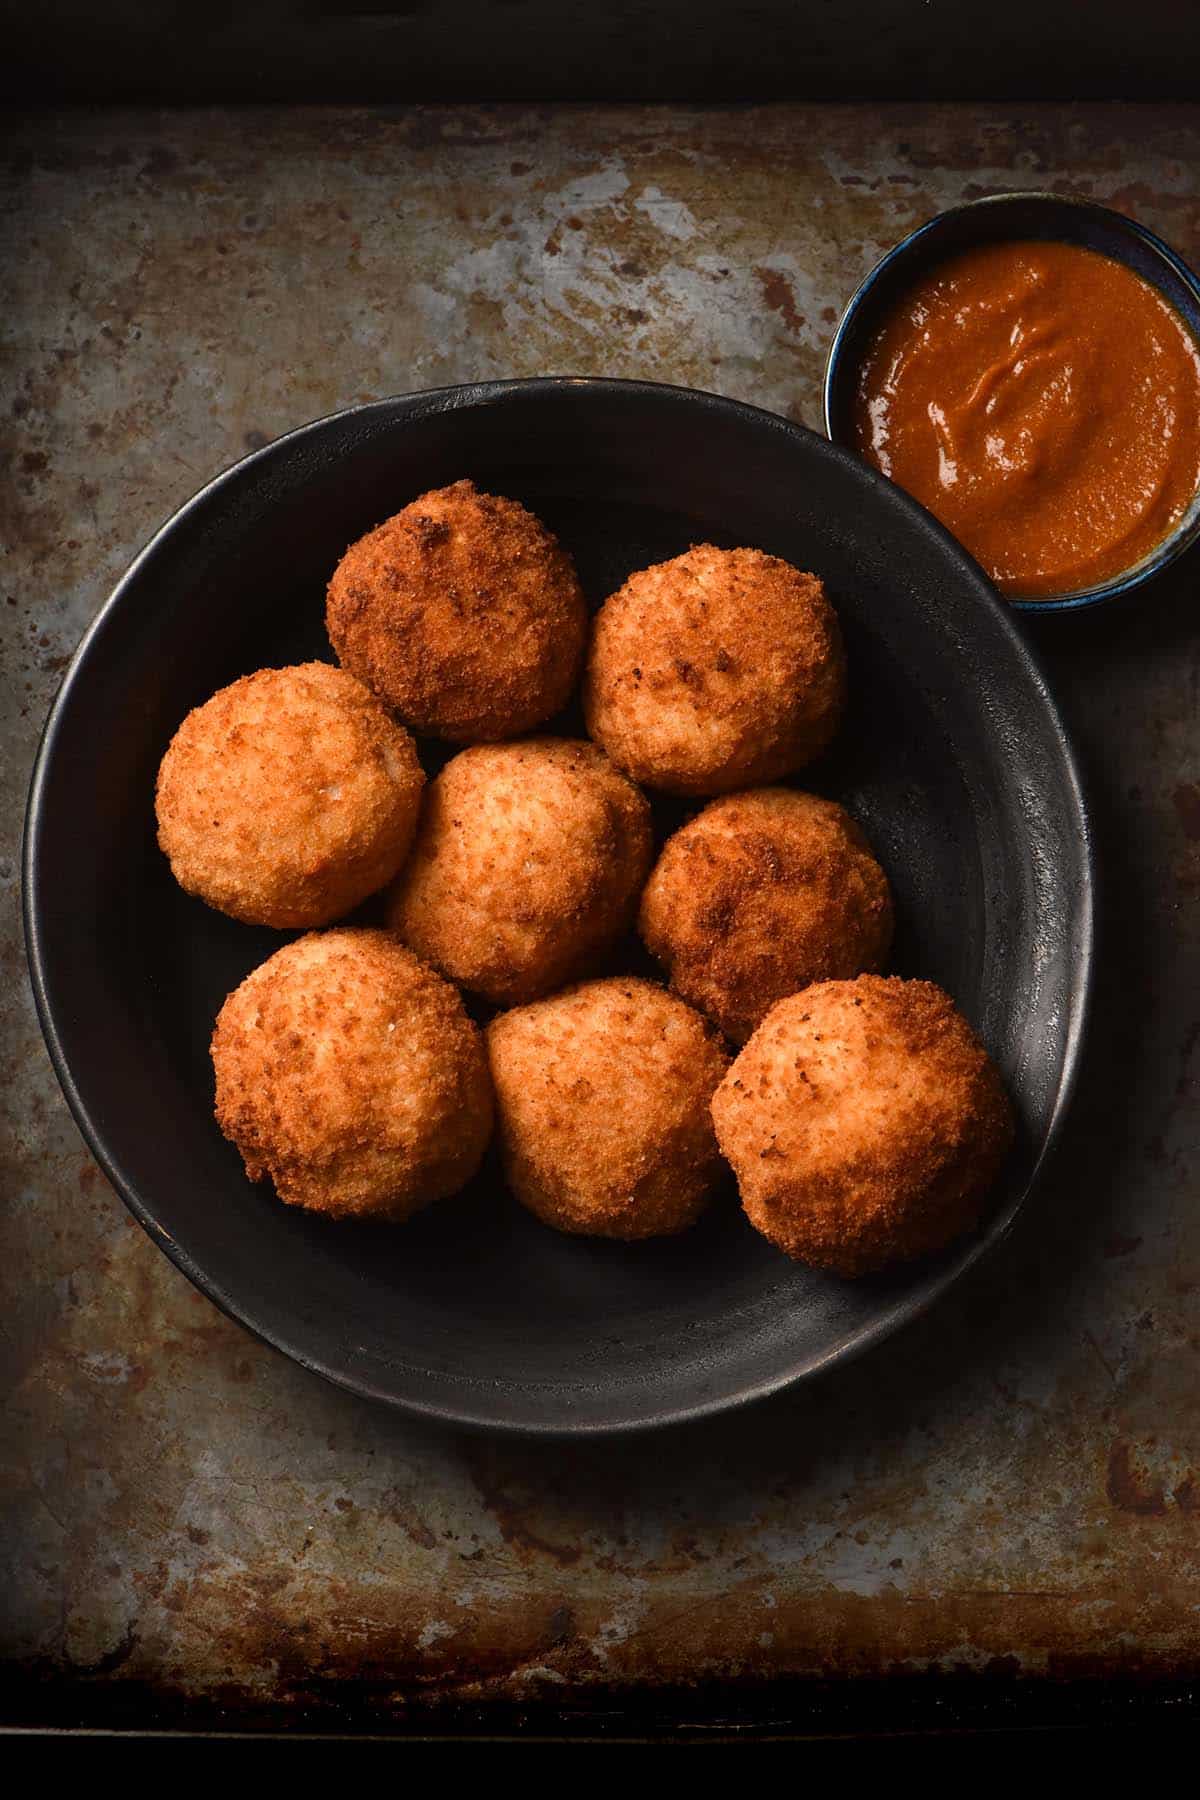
<point>951,757</point>
<point>999,219</point>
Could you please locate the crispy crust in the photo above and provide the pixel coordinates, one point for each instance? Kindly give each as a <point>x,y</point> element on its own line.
<point>288,797</point>
<point>865,1123</point>
<point>528,862</point>
<point>721,669</point>
<point>760,895</point>
<point>602,1097</point>
<point>462,613</point>
<point>349,1075</point>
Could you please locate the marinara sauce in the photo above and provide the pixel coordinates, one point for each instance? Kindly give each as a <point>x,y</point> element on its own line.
<point>1043,401</point>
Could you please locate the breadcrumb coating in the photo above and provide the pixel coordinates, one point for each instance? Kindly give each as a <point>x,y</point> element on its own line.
<point>288,797</point>
<point>602,1098</point>
<point>865,1123</point>
<point>528,862</point>
<point>718,670</point>
<point>349,1074</point>
<point>760,895</point>
<point>463,613</point>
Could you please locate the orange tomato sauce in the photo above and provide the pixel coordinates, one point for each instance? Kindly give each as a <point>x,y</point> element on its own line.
<point>1043,401</point>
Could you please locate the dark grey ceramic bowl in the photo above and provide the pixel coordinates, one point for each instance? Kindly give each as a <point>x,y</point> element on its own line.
<point>996,219</point>
<point>952,755</point>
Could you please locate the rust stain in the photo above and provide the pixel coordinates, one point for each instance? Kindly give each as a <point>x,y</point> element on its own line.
<point>1187,1495</point>
<point>1127,1485</point>
<point>778,295</point>
<point>1149,1480</point>
<point>514,1507</point>
<point>523,1645</point>
<point>1116,1245</point>
<point>1187,806</point>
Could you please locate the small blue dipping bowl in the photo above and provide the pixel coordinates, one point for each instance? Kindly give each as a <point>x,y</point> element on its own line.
<point>1005,218</point>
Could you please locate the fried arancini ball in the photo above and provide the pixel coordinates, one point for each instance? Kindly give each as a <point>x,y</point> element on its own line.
<point>350,1075</point>
<point>288,797</point>
<point>721,669</point>
<point>602,1105</point>
<point>865,1123</point>
<point>760,895</point>
<point>528,862</point>
<point>462,613</point>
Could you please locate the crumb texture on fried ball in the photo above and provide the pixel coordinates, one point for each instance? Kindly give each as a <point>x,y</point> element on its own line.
<point>528,862</point>
<point>463,613</point>
<point>865,1123</point>
<point>721,669</point>
<point>602,1105</point>
<point>288,797</point>
<point>760,895</point>
<point>349,1074</point>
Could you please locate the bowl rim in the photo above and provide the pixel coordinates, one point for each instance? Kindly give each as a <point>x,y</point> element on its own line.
<point>1186,531</point>
<point>460,1415</point>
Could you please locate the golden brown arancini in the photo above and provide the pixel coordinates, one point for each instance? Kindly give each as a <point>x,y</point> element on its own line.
<point>758,896</point>
<point>463,613</point>
<point>288,797</point>
<point>865,1123</point>
<point>602,1104</point>
<point>528,862</point>
<point>718,670</point>
<point>350,1075</point>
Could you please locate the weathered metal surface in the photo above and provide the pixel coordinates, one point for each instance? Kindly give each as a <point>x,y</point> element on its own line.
<point>1013,1486</point>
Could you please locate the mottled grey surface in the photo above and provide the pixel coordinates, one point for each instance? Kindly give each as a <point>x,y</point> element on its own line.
<point>1014,1485</point>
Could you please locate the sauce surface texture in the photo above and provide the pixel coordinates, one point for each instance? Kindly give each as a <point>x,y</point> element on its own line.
<point>1043,401</point>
